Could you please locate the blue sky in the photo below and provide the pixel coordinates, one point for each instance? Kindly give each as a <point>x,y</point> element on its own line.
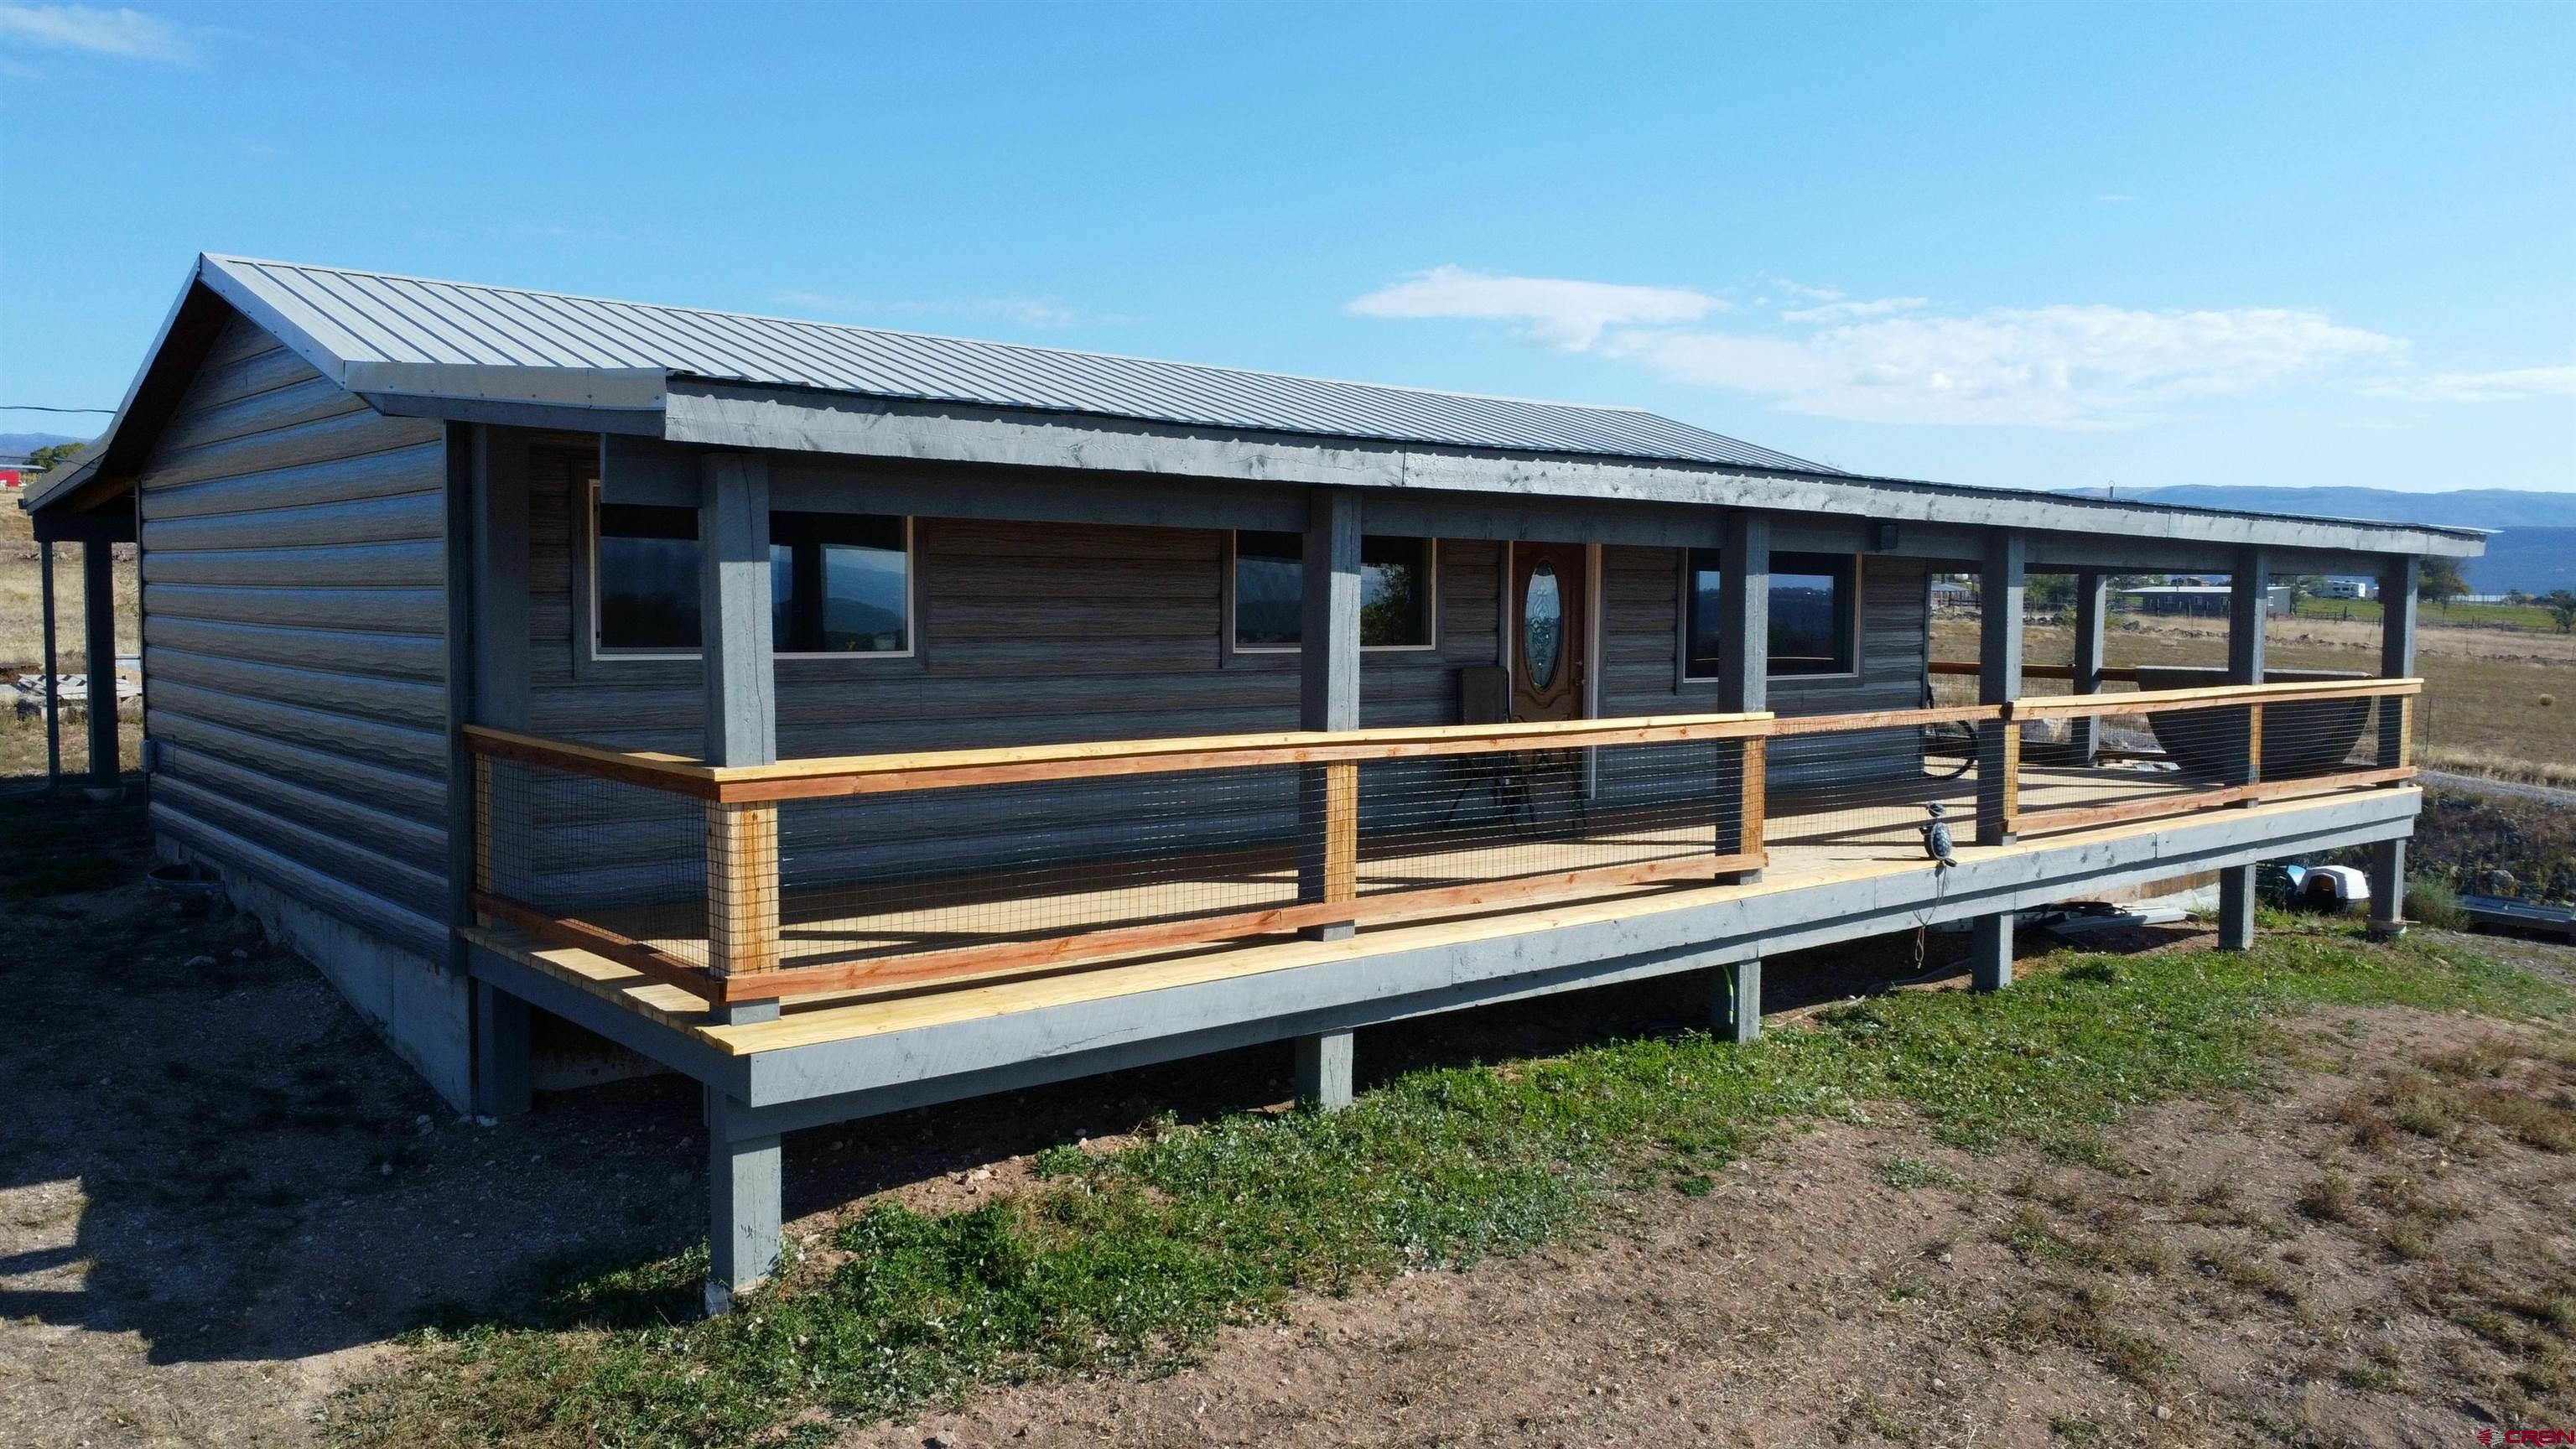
<point>2031,245</point>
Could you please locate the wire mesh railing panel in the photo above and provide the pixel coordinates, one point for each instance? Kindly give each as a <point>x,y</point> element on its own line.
<point>570,845</point>
<point>1016,861</point>
<point>885,875</point>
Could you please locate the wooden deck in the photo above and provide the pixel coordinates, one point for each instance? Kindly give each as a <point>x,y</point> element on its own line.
<point>1854,854</point>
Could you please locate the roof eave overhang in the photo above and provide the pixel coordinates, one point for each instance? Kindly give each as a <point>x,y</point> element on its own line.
<point>719,414</point>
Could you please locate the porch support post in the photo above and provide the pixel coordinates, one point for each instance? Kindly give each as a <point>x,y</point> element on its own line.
<point>741,708</point>
<point>1328,796</point>
<point>98,627</point>
<point>487,599</point>
<point>2000,587</point>
<point>1324,1071</point>
<point>1735,1000</point>
<point>53,695</point>
<point>2248,608</point>
<point>1743,666</point>
<point>2396,661</point>
<point>1990,952</point>
<point>745,1182</point>
<point>1328,698</point>
<point>2001,583</point>
<point>2091,593</point>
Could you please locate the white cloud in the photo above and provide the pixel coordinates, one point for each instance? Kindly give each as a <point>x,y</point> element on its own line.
<point>128,33</point>
<point>1565,314</point>
<point>1893,360</point>
<point>2510,384</point>
<point>1827,313</point>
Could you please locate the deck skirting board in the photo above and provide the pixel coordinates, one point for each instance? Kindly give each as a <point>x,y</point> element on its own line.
<point>1022,1048</point>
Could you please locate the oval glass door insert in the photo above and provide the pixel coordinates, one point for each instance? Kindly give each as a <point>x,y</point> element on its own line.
<point>1542,625</point>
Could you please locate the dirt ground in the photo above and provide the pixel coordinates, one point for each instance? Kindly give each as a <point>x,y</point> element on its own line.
<point>2009,1299</point>
<point>221,1198</point>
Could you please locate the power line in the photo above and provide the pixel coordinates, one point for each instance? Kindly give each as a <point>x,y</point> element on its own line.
<point>34,408</point>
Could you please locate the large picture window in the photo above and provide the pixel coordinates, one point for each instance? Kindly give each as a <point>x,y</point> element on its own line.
<point>1813,623</point>
<point>840,583</point>
<point>1397,597</point>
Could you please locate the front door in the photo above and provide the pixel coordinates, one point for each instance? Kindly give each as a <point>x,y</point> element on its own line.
<point>1550,633</point>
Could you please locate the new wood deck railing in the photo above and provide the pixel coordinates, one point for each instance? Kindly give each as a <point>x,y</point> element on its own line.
<point>746,956</point>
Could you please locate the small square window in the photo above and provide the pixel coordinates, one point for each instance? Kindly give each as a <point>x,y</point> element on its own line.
<point>1397,596</point>
<point>840,583</point>
<point>1813,615</point>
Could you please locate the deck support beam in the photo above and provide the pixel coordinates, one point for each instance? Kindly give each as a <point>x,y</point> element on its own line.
<point>1743,668</point>
<point>1990,951</point>
<point>2249,608</point>
<point>2397,602</point>
<point>98,627</point>
<point>1735,1000</point>
<point>1324,1071</point>
<point>734,604</point>
<point>745,1190</point>
<point>1328,698</point>
<point>2092,592</point>
<point>487,658</point>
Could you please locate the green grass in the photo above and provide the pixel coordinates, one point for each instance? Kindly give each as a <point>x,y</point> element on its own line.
<point>2483,616</point>
<point>1128,1261</point>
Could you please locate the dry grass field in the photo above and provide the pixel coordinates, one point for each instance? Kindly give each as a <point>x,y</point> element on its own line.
<point>2497,702</point>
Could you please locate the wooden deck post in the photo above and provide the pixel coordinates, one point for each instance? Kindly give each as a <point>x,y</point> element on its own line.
<point>745,1182</point>
<point>2000,590</point>
<point>98,628</point>
<point>1990,952</point>
<point>1324,1071</point>
<point>1735,1000</point>
<point>1743,678</point>
<point>2092,592</point>
<point>734,603</point>
<point>2249,608</point>
<point>2397,602</point>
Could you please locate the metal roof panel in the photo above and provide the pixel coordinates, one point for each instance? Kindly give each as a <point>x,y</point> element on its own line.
<point>380,317</point>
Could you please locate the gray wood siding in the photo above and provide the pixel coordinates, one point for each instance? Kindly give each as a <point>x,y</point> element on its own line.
<point>294,639</point>
<point>1026,633</point>
<point>1034,633</point>
<point>1641,604</point>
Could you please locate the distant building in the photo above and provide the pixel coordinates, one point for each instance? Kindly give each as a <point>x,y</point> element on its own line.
<point>2205,601</point>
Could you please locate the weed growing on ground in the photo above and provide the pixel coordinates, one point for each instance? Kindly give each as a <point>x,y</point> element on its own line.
<point>1130,1260</point>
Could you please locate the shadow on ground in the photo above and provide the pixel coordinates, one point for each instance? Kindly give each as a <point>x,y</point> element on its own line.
<point>210,1151</point>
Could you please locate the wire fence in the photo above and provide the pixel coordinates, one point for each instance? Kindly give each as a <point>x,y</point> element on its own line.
<point>1011,865</point>
<point>869,876</point>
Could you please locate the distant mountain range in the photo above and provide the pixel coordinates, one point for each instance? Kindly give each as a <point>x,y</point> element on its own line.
<point>2535,552</point>
<point>19,445</point>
